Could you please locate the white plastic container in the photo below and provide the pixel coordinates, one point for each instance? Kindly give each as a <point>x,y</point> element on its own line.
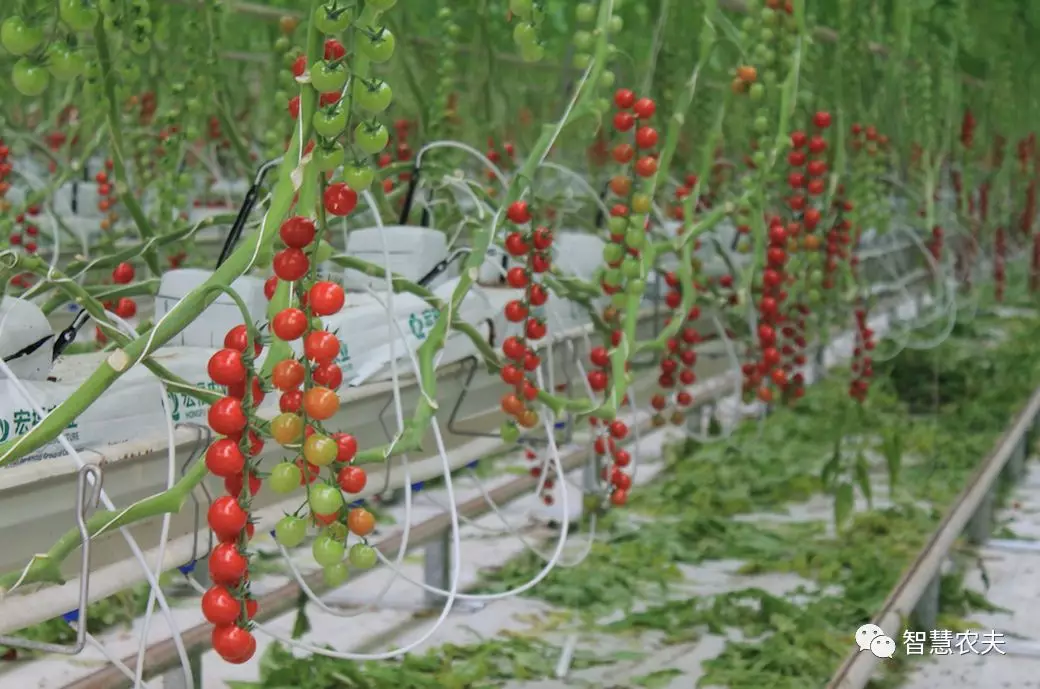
<point>22,323</point>
<point>414,251</point>
<point>364,334</point>
<point>209,329</point>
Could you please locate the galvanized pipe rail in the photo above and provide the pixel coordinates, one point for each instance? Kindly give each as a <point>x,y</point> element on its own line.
<point>916,595</point>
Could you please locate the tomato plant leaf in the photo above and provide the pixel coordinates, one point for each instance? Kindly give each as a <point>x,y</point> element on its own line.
<point>658,679</point>
<point>862,469</point>
<point>302,624</point>
<point>843,502</point>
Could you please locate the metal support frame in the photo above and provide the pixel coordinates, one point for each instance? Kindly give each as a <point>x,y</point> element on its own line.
<point>980,526</point>
<point>926,612</point>
<point>87,495</point>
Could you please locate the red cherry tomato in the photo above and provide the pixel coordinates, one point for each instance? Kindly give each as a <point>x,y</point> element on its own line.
<point>238,339</point>
<point>297,232</point>
<point>346,447</point>
<point>220,607</point>
<point>226,565</point>
<point>224,458</point>
<point>289,324</point>
<point>291,264</point>
<point>624,98</point>
<point>646,137</point>
<point>270,285</point>
<point>330,375</point>
<point>288,375</point>
<point>340,199</point>
<point>226,367</point>
<point>321,346</point>
<point>325,298</point>
<point>352,479</point>
<point>233,484</point>
<point>226,417</point>
<point>519,212</point>
<point>226,517</point>
<point>123,274</point>
<point>234,644</point>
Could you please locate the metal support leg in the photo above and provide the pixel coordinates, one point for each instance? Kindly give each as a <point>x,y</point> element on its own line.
<point>980,527</point>
<point>1016,462</point>
<point>926,612</point>
<point>437,568</point>
<point>174,677</point>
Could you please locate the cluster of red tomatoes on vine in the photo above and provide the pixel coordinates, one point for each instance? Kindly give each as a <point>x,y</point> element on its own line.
<point>530,246</point>
<point>679,359</point>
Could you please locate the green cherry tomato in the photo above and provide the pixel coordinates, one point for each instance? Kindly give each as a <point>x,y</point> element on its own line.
<point>521,8</point>
<point>617,224</point>
<point>363,556</point>
<point>630,267</point>
<point>324,499</point>
<point>374,96</point>
<point>290,531</point>
<point>509,431</point>
<point>358,177</point>
<point>327,77</point>
<point>612,252</point>
<point>585,12</point>
<point>29,79</point>
<point>63,63</point>
<point>635,238</point>
<point>320,450</point>
<point>379,47</point>
<point>532,53</point>
<point>337,531</point>
<point>618,300</point>
<point>336,575</point>
<point>330,158</point>
<point>140,45</point>
<point>17,37</point>
<point>582,40</point>
<point>329,123</point>
<point>327,551</point>
<point>616,24</point>
<point>636,287</point>
<point>330,19</point>
<point>77,14</point>
<point>525,34</point>
<point>371,138</point>
<point>285,478</point>
<point>612,277</point>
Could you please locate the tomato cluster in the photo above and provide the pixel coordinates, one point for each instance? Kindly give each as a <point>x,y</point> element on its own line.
<point>6,168</point>
<point>531,247</point>
<point>227,604</point>
<point>680,358</point>
<point>862,365</point>
<point>26,237</point>
<point>549,483</point>
<point>108,200</point>
<point>607,446</point>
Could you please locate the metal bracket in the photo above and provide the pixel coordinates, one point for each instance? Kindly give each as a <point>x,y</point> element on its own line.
<point>926,613</point>
<point>88,492</point>
<point>437,574</point>
<point>205,435</point>
<point>980,526</point>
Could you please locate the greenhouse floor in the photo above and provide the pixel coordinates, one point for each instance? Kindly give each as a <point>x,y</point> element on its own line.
<point>1011,573</point>
<point>1010,567</point>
